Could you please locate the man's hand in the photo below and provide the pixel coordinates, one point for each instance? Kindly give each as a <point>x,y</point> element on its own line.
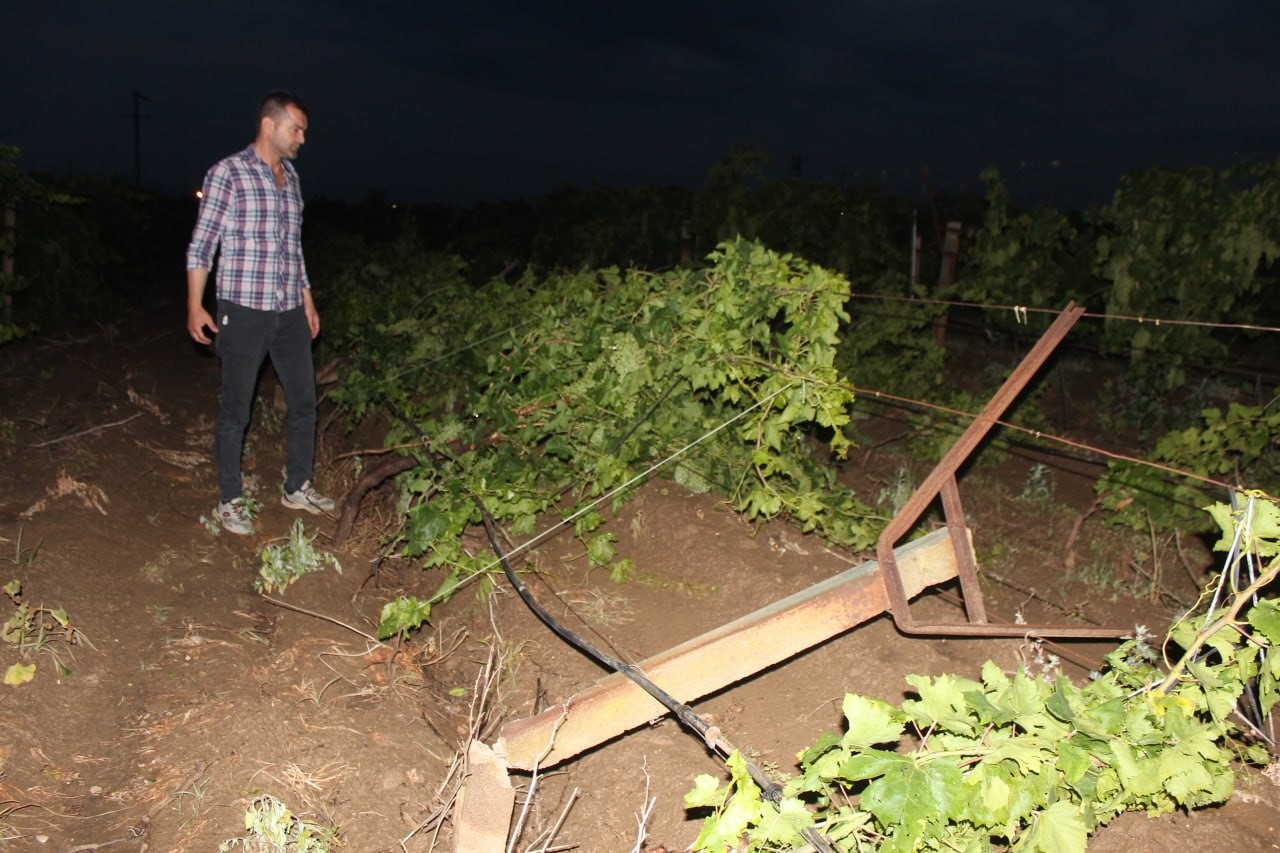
<point>198,320</point>
<point>309,308</point>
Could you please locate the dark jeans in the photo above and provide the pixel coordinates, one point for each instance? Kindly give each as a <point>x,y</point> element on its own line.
<point>245,338</point>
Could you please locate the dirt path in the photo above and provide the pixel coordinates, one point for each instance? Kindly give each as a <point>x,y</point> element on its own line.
<point>197,695</point>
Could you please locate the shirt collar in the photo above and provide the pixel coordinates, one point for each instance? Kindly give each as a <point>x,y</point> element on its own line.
<point>250,155</point>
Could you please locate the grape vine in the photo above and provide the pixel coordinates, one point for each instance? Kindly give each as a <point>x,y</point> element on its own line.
<point>578,383</point>
<point>526,383</point>
<point>1193,245</point>
<point>1021,761</point>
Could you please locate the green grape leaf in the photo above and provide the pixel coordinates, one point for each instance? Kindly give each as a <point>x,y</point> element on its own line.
<point>600,548</point>
<point>1073,761</point>
<point>1059,828</point>
<point>869,763</point>
<point>1265,618</point>
<point>423,525</point>
<point>402,615</point>
<point>870,722</point>
<point>942,702</point>
<point>784,825</point>
<point>1030,754</point>
<point>706,793</point>
<point>915,793</point>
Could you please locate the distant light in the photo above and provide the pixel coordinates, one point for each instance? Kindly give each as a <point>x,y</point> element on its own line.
<point>394,206</point>
<point>199,194</point>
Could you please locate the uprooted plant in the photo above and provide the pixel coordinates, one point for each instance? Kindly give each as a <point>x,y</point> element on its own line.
<point>272,827</point>
<point>33,629</point>
<point>286,561</point>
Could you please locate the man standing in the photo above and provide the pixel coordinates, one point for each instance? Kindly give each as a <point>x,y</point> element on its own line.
<point>252,208</point>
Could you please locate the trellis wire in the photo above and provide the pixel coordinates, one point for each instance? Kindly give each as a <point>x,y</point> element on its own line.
<point>1020,312</point>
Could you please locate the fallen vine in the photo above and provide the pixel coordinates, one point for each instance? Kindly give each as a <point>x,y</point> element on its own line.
<point>1033,764</point>
<point>577,384</point>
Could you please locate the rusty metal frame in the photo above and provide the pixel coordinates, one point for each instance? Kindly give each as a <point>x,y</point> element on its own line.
<point>941,482</point>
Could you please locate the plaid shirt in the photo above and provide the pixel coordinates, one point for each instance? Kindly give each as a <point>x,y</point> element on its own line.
<point>260,228</point>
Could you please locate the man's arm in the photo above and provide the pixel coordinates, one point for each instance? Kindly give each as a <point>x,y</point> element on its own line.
<point>309,308</point>
<point>206,236</point>
<point>198,319</point>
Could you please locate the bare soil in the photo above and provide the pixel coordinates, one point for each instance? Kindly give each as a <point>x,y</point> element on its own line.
<point>198,693</point>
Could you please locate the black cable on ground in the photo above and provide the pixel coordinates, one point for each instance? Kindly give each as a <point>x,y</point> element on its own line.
<point>711,735</point>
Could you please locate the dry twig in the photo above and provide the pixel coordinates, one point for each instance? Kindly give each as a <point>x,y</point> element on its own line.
<point>88,431</point>
<point>338,622</point>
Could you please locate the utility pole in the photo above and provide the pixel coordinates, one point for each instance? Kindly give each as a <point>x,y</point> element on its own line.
<point>137,117</point>
<point>916,252</point>
<point>8,240</point>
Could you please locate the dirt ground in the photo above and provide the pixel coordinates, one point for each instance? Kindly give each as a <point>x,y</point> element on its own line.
<point>199,695</point>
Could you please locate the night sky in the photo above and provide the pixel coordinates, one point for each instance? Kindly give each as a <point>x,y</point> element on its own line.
<point>465,102</point>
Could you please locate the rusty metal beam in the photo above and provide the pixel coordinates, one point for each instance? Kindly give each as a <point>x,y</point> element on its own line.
<point>727,654</point>
<point>941,482</point>
<point>482,813</point>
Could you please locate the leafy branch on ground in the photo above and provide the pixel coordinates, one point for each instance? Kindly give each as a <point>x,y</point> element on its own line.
<point>577,384</point>
<point>287,561</point>
<point>273,828</point>
<point>1031,763</point>
<point>37,629</point>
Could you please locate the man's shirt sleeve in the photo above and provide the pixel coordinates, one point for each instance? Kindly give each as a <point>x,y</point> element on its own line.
<point>214,206</point>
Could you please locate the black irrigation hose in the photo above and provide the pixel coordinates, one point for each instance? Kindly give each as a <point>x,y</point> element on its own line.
<point>710,735</point>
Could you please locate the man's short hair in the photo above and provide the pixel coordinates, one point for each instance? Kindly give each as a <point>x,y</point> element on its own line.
<point>275,102</point>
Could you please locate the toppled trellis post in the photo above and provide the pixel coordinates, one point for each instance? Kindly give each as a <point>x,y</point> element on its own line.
<point>718,658</point>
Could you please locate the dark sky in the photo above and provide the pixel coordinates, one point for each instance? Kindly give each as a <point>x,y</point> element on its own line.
<point>462,101</point>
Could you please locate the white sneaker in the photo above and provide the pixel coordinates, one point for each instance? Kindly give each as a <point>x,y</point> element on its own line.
<point>308,499</point>
<point>234,517</point>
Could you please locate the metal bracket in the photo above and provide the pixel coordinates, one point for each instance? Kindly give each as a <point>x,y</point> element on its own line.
<point>941,482</point>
